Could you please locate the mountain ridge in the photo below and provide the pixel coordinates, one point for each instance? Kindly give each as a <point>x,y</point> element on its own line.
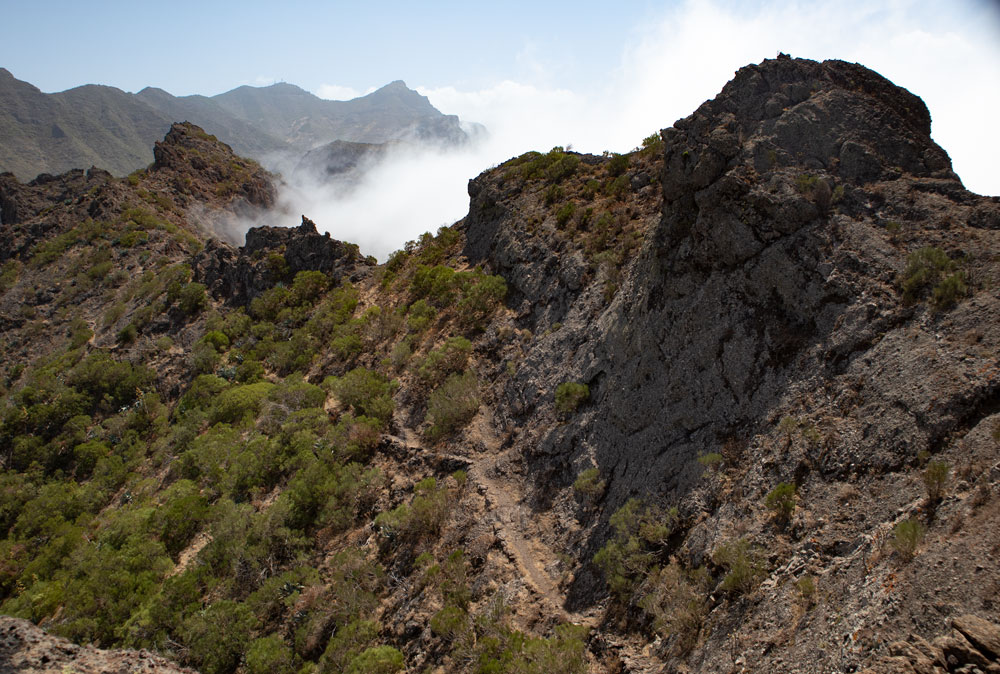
<point>727,403</point>
<point>98,125</point>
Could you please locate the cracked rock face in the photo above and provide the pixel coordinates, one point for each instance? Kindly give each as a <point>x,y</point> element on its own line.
<point>27,649</point>
<point>768,272</point>
<point>272,255</point>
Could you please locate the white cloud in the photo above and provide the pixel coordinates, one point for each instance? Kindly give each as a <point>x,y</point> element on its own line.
<point>685,58</point>
<point>672,66</point>
<point>335,92</point>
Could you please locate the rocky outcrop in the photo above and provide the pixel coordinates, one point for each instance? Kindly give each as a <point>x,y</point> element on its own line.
<point>972,647</point>
<point>272,255</point>
<point>27,649</point>
<point>769,277</point>
<point>84,193</point>
<point>202,166</point>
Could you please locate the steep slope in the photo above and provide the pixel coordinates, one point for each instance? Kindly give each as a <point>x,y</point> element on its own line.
<point>113,130</point>
<point>725,403</point>
<point>246,139</point>
<point>82,127</point>
<point>796,205</point>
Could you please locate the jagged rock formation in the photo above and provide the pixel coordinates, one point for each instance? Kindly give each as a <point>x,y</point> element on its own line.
<point>237,276</point>
<point>27,649</point>
<point>972,646</point>
<point>778,325</point>
<point>776,287</point>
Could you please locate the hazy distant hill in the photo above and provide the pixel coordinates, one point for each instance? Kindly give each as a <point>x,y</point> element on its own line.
<point>112,129</point>
<point>85,126</point>
<point>243,137</point>
<point>305,121</point>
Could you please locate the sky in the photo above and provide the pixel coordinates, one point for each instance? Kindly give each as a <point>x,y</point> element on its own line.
<point>592,75</point>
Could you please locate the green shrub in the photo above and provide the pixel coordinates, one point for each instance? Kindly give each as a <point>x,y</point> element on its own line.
<point>128,334</point>
<point>113,314</point>
<point>617,188</point>
<point>367,392</point>
<point>436,284</point>
<point>109,383</point>
<point>347,642</point>
<point>618,164</point>
<point>482,294</point>
<point>346,346</point>
<point>743,564</point>
<point>589,484</point>
<point>203,358</point>
<point>781,501</point>
<point>218,636</point>
<point>8,274</point>
<point>570,395</point>
<point>217,339</point>
<point>947,293</point>
<point>453,404</point>
<point>240,403</point>
<point>270,655</point>
<point>907,537</point>
<point>935,478</point>
<point>652,144</point>
<point>192,298</point>
<point>419,316</point>
<point>554,166</point>
<point>710,459</point>
<point>565,214</point>
<point>640,529</point>
<point>423,516</point>
<point>450,357</point>
<point>930,267</point>
<point>377,660</point>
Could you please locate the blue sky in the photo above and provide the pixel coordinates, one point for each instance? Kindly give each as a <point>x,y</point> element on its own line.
<point>594,75</point>
<point>209,47</point>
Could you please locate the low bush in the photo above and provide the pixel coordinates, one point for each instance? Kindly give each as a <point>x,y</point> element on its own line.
<point>743,563</point>
<point>617,164</point>
<point>781,501</point>
<point>377,660</point>
<point>930,268</point>
<point>935,478</point>
<point>640,530</point>
<point>449,358</point>
<point>565,214</point>
<point>453,404</point>
<point>907,537</point>
<point>366,392</point>
<point>589,483</point>
<point>570,395</point>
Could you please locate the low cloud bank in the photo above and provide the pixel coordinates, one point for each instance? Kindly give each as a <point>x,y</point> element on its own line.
<point>672,65</point>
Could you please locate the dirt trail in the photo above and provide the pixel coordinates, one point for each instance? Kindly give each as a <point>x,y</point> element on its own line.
<point>513,523</point>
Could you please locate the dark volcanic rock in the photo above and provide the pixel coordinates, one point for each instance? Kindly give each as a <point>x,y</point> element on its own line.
<point>203,166</point>
<point>272,255</point>
<point>768,271</point>
<point>28,649</point>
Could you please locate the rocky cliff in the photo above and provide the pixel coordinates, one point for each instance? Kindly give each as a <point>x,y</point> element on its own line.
<point>728,402</point>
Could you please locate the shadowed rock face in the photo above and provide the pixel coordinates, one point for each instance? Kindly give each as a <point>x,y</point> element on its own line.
<point>272,255</point>
<point>764,275</point>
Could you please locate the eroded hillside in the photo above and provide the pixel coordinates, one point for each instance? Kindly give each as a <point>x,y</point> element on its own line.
<point>724,403</point>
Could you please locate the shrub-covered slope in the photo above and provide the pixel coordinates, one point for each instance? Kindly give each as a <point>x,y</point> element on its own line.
<point>723,403</point>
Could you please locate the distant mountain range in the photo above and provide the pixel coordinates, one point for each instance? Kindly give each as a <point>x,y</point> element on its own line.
<point>102,126</point>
